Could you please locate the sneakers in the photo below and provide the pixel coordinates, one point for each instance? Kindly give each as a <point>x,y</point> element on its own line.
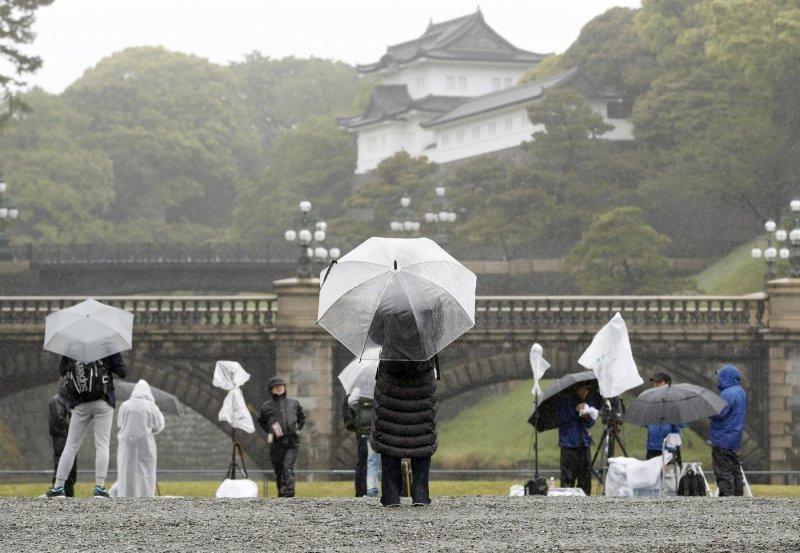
<point>56,492</point>
<point>99,491</point>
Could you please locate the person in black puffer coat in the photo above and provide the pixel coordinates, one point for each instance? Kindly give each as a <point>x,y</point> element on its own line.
<point>404,426</point>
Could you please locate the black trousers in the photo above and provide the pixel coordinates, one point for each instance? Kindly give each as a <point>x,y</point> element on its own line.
<point>392,480</point>
<point>69,483</point>
<point>576,466</point>
<point>360,478</point>
<point>728,471</point>
<point>283,454</point>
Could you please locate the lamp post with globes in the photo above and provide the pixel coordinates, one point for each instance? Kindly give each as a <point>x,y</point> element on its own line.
<point>776,244</point>
<point>404,220</point>
<point>311,248</point>
<point>440,214</point>
<point>7,216</point>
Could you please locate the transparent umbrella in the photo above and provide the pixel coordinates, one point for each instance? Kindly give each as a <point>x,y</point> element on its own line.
<point>674,404</point>
<point>360,374</point>
<point>397,299</point>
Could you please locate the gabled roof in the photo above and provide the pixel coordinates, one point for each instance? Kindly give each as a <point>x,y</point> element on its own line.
<point>390,102</point>
<point>466,38</point>
<point>507,97</point>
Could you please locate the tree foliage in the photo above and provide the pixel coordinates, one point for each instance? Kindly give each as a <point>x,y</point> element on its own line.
<point>621,254</point>
<point>16,31</point>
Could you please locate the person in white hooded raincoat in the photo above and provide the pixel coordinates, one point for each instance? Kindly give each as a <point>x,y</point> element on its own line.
<point>139,419</point>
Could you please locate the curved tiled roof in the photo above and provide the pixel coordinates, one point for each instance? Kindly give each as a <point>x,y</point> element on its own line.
<point>466,38</point>
<point>389,102</point>
<point>507,97</point>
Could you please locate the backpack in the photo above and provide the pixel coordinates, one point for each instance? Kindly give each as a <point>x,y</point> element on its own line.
<point>87,381</point>
<point>363,422</point>
<point>692,484</point>
<point>536,486</point>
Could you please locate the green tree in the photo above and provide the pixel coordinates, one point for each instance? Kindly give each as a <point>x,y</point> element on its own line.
<point>281,94</point>
<point>63,190</point>
<point>16,30</point>
<point>180,141</point>
<point>315,162</point>
<point>621,254</point>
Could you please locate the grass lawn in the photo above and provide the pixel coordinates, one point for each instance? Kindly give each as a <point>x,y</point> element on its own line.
<point>343,489</point>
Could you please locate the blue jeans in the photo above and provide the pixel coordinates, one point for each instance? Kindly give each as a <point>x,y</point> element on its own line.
<point>373,471</point>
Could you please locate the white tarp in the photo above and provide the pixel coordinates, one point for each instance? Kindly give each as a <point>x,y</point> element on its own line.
<point>628,476</point>
<point>610,357</point>
<point>139,419</point>
<point>229,375</point>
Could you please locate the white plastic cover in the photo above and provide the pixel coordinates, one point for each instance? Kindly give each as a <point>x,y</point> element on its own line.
<point>229,375</point>
<point>139,419</point>
<point>397,298</point>
<point>610,357</point>
<point>539,366</point>
<point>237,488</point>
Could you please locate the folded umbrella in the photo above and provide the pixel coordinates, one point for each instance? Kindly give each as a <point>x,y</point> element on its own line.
<point>674,404</point>
<point>167,402</point>
<point>397,299</point>
<point>88,331</point>
<point>544,414</point>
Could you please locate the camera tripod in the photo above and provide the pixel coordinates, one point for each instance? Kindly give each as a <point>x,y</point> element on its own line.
<point>605,449</point>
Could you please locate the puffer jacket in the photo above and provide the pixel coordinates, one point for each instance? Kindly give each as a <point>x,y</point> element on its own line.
<point>727,428</point>
<point>404,420</point>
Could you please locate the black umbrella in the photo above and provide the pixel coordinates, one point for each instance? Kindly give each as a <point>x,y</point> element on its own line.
<point>167,402</point>
<point>675,404</point>
<point>543,416</point>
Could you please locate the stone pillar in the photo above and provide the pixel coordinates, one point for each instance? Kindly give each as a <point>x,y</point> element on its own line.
<point>784,376</point>
<point>304,359</point>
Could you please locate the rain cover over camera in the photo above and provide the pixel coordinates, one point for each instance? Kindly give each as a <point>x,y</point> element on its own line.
<point>610,357</point>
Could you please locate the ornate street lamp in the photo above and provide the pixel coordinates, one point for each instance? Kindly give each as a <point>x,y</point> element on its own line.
<point>405,220</point>
<point>7,216</point>
<point>441,215</point>
<point>776,243</point>
<point>311,248</point>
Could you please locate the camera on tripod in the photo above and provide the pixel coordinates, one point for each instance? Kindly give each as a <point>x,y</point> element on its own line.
<point>612,410</point>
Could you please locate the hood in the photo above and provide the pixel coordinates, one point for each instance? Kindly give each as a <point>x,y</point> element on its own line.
<point>142,391</point>
<point>728,376</point>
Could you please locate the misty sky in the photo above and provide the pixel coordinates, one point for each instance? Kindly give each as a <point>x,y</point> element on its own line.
<point>74,35</point>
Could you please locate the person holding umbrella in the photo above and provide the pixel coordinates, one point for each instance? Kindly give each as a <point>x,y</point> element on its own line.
<point>58,423</point>
<point>574,416</point>
<point>657,433</point>
<point>90,396</point>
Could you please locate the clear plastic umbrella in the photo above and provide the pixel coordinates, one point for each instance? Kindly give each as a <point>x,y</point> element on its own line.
<point>360,374</point>
<point>397,299</point>
<point>88,331</point>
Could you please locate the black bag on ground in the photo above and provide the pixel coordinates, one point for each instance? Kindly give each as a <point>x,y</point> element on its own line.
<point>87,381</point>
<point>536,486</point>
<point>691,483</point>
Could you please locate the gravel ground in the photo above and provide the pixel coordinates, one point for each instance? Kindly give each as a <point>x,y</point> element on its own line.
<point>531,523</point>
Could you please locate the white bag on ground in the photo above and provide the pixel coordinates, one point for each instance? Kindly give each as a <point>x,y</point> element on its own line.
<point>242,487</point>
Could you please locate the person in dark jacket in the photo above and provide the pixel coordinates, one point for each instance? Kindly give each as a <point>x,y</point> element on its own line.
<point>725,433</point>
<point>58,424</point>
<point>349,416</point>
<point>575,416</point>
<point>404,426</point>
<point>85,410</point>
<point>282,418</point>
<point>657,433</point>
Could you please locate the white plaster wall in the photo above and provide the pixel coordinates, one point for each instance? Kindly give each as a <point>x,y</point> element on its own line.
<point>482,135</point>
<point>623,128</point>
<point>377,143</point>
<point>456,79</point>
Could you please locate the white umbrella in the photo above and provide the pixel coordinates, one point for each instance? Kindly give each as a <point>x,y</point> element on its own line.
<point>397,298</point>
<point>230,375</point>
<point>360,374</point>
<point>88,331</point>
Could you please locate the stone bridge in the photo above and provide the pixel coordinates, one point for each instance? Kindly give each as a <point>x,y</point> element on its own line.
<point>177,341</point>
